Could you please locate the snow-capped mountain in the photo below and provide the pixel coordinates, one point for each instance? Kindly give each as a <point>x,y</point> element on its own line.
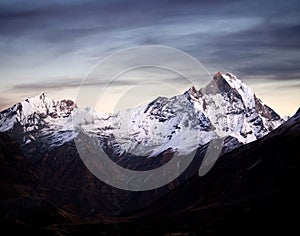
<point>225,107</point>
<point>36,117</point>
<point>34,112</point>
<point>234,109</point>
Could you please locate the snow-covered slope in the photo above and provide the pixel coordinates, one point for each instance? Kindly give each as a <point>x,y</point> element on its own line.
<point>149,130</point>
<point>225,107</point>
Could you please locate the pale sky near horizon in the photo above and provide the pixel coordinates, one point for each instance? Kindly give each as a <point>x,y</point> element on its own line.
<point>50,46</point>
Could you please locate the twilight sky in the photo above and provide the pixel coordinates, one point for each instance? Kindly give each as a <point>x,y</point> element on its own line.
<point>51,45</point>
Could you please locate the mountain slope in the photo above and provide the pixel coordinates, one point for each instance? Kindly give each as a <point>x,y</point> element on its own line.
<point>22,208</point>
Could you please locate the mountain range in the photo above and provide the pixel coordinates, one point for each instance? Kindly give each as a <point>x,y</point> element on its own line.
<point>46,187</point>
<point>225,107</point>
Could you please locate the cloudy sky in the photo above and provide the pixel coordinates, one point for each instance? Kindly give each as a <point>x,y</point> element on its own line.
<point>50,46</point>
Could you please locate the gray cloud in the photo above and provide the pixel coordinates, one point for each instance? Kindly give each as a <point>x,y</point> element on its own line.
<point>266,49</point>
<point>63,83</point>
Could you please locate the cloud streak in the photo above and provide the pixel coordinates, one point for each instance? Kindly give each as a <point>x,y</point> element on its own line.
<point>64,83</point>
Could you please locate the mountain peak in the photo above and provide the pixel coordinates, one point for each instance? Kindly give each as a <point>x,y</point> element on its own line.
<point>233,108</point>
<point>217,84</point>
<point>32,112</point>
<point>39,101</point>
<point>232,86</point>
<point>225,76</point>
<point>227,81</point>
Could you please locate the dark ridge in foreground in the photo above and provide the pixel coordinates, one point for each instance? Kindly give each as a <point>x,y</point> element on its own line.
<point>252,190</point>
